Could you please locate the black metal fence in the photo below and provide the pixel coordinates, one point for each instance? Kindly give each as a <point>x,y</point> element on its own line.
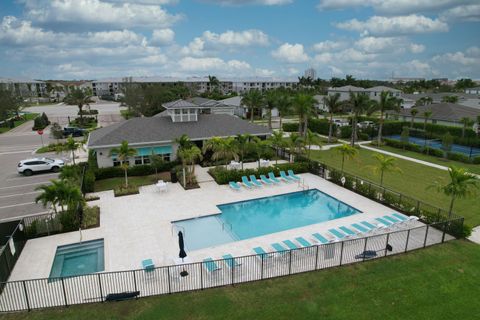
<point>44,293</point>
<point>11,245</point>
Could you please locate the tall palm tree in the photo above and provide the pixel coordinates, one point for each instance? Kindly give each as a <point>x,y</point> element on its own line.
<point>71,174</point>
<point>426,115</point>
<point>346,151</point>
<point>189,157</point>
<point>214,83</point>
<point>284,105</point>
<point>359,103</point>
<point>60,192</point>
<point>384,164</point>
<point>333,104</point>
<point>262,149</point>
<point>296,144</point>
<point>467,122</point>
<point>271,102</point>
<point>244,145</point>
<point>183,142</point>
<point>123,153</point>
<point>70,146</point>
<point>276,141</point>
<point>311,139</point>
<point>413,113</point>
<point>304,105</point>
<point>47,196</point>
<point>80,98</point>
<point>461,184</point>
<point>223,149</point>
<point>386,102</point>
<point>253,100</point>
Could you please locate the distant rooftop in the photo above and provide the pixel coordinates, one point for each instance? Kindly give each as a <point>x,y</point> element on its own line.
<point>19,80</point>
<point>193,79</point>
<point>443,111</point>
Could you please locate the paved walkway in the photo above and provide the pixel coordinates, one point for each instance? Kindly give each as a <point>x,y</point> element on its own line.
<point>475,236</point>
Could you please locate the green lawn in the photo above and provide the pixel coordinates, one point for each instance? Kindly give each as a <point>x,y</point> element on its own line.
<point>27,117</point>
<point>439,282</point>
<point>413,181</point>
<point>474,168</point>
<point>110,184</point>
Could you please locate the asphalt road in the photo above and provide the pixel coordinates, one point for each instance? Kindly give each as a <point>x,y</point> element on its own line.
<point>17,192</point>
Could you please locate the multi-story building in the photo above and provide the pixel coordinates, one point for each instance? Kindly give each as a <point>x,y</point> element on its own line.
<point>113,86</point>
<point>26,88</point>
<point>310,73</point>
<point>373,92</point>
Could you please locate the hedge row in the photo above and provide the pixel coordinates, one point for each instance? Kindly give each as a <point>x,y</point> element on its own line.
<point>138,170</point>
<point>320,126</point>
<point>224,176</point>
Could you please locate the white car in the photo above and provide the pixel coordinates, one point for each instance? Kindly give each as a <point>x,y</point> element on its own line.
<point>29,166</point>
<point>341,122</point>
<point>366,124</point>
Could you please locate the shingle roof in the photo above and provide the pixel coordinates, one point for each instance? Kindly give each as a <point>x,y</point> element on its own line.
<point>179,104</point>
<point>444,111</point>
<point>382,88</point>
<point>346,89</point>
<point>233,101</point>
<point>157,129</point>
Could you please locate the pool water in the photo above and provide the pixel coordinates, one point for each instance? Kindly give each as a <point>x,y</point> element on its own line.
<point>78,259</point>
<point>437,144</point>
<point>258,217</point>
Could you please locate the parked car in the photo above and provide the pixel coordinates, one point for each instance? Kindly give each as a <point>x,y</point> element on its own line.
<point>74,132</point>
<point>366,124</point>
<point>341,122</point>
<point>29,166</point>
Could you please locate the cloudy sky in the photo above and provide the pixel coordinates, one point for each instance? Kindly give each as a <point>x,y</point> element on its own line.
<point>93,39</point>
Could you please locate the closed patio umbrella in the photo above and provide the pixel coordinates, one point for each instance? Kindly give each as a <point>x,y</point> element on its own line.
<point>182,254</point>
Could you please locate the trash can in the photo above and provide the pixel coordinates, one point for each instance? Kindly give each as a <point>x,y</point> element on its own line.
<point>173,176</point>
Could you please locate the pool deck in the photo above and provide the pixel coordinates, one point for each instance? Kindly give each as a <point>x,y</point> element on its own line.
<point>138,227</point>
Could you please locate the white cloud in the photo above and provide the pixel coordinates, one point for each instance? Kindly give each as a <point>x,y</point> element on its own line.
<point>264,72</point>
<point>241,38</point>
<point>91,13</point>
<point>463,13</point>
<point>391,45</point>
<point>162,37</point>
<point>329,45</point>
<point>459,58</point>
<point>395,7</point>
<point>401,25</point>
<point>250,2</point>
<point>211,64</point>
<point>195,47</point>
<point>291,53</point>
<point>18,32</point>
<point>416,48</point>
<point>123,37</point>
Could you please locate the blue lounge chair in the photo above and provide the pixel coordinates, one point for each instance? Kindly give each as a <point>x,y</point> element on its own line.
<point>360,227</point>
<point>266,180</point>
<point>290,244</point>
<point>210,265</point>
<point>285,177</point>
<point>234,185</point>
<point>262,254</point>
<point>278,247</point>
<point>292,175</point>
<point>303,242</point>
<point>400,216</point>
<point>320,238</point>
<point>247,183</point>
<point>337,233</point>
<point>384,222</point>
<point>368,225</point>
<point>347,231</point>
<point>272,177</point>
<point>230,261</point>
<point>391,219</point>
<point>255,181</point>
<point>148,265</point>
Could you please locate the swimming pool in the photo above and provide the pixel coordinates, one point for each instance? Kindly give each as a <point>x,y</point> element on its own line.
<point>258,217</point>
<point>437,144</point>
<point>78,259</point>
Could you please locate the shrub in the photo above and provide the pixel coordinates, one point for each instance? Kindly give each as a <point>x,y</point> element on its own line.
<point>122,191</point>
<point>363,136</point>
<point>223,176</point>
<point>69,221</point>
<point>138,170</point>
<point>458,157</point>
<point>56,131</point>
<point>345,132</point>
<point>320,126</point>
<point>40,122</point>
<point>433,152</point>
<point>476,160</point>
<point>290,127</point>
<point>89,181</point>
<point>91,217</point>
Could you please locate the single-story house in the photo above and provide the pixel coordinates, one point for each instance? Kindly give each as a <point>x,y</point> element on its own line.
<point>448,114</point>
<point>464,99</point>
<point>157,134</point>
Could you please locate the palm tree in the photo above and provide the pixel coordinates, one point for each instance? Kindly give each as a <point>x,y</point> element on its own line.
<point>413,113</point>
<point>123,153</point>
<point>467,122</point>
<point>333,104</point>
<point>156,161</point>
<point>271,101</point>
<point>71,174</point>
<point>80,98</point>
<point>214,83</point>
<point>60,192</point>
<point>47,196</point>
<point>311,139</point>
<point>183,142</point>
<point>223,149</point>
<point>347,152</point>
<point>189,156</point>
<point>359,103</point>
<point>304,107</point>
<point>296,144</point>
<point>276,141</point>
<point>253,99</point>
<point>426,115</point>
<point>262,149</point>
<point>450,99</point>
<point>386,102</point>
<point>244,145</point>
<point>284,104</point>
<point>71,146</point>
<point>384,164</point>
<point>461,184</point>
